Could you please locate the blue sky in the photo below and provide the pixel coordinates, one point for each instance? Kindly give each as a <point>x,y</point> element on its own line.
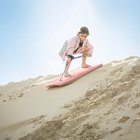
<point>33,31</point>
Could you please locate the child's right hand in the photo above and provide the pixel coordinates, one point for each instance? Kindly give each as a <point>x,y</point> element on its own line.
<point>68,59</point>
<point>85,48</point>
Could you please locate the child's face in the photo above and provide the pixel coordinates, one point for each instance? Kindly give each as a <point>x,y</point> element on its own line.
<point>82,36</point>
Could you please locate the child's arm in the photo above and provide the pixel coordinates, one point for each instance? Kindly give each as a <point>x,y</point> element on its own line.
<point>87,48</point>
<point>71,46</point>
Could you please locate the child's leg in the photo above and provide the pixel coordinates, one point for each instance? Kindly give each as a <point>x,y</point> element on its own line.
<point>67,65</point>
<point>84,58</point>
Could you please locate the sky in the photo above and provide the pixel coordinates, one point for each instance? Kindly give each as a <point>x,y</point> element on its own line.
<point>32,33</point>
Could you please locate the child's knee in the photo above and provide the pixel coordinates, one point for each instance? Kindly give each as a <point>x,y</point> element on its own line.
<point>71,57</point>
<point>69,60</point>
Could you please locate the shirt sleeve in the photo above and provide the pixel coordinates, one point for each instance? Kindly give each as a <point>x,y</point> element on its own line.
<point>71,46</point>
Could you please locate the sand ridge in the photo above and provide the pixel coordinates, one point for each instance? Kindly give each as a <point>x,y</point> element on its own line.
<point>103,105</point>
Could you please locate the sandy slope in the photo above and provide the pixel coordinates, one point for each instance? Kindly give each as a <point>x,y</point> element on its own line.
<point>104,104</point>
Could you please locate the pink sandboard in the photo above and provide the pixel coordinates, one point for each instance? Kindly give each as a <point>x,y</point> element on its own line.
<point>77,73</point>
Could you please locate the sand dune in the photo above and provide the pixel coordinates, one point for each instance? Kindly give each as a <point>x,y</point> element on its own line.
<point>103,105</point>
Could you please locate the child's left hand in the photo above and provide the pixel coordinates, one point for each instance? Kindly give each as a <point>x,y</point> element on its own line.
<point>85,48</point>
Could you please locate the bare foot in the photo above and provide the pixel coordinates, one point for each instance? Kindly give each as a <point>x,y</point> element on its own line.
<point>85,66</point>
<point>67,75</point>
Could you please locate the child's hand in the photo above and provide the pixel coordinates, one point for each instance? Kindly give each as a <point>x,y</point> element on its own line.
<point>85,48</point>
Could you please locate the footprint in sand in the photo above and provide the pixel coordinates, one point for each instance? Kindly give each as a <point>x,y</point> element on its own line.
<point>123,119</point>
<point>21,94</point>
<point>4,101</point>
<point>135,106</point>
<point>116,129</point>
<point>138,94</point>
<point>138,113</point>
<point>135,120</point>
